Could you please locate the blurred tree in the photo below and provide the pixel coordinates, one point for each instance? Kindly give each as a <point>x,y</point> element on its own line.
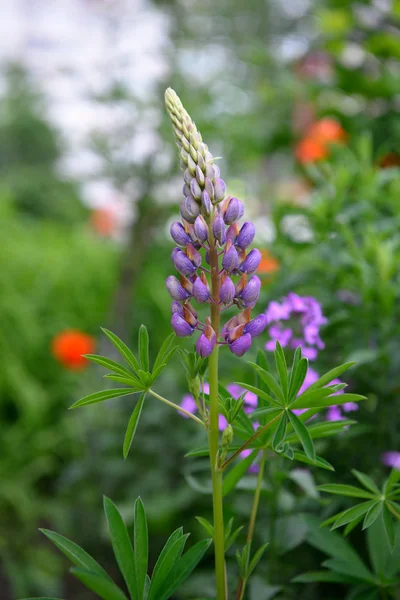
<point>29,150</point>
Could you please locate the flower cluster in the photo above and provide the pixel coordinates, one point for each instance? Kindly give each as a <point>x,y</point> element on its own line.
<point>294,322</point>
<point>209,230</point>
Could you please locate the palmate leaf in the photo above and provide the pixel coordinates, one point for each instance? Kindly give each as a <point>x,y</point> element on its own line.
<point>297,378</point>
<point>324,398</point>
<point>366,481</point>
<point>108,364</point>
<point>143,344</point>
<point>353,513</point>
<point>281,367</point>
<point>261,394</point>
<point>272,384</point>
<point>317,462</point>
<point>165,352</point>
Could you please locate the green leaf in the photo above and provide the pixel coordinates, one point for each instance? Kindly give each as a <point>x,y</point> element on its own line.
<point>144,348</point>
<point>131,381</point>
<point>323,577</point>
<point>164,350</point>
<point>353,513</point>
<point>297,378</point>
<point>146,588</point>
<point>344,568</point>
<point>206,525</point>
<point>389,526</point>
<point>372,514</point>
<point>75,553</point>
<point>122,349</point>
<point>345,490</point>
<point>101,396</point>
<point>271,383</point>
<point>318,462</point>
<point>256,559</point>
<point>321,430</point>
<point>313,399</point>
<point>330,376</point>
<point>183,567</point>
<point>122,546</point>
<point>393,478</point>
<point>140,546</point>
<point>279,432</point>
<point>367,482</point>
<point>336,546</point>
<point>108,364</point>
<point>303,435</point>
<point>170,554</point>
<point>132,425</point>
<point>281,366</point>
<point>379,549</point>
<point>104,588</point>
<point>230,539</point>
<point>237,472</point>
<point>260,393</point>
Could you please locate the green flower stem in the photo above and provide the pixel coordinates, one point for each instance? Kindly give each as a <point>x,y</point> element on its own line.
<point>250,532</point>
<point>213,433</point>
<point>179,408</point>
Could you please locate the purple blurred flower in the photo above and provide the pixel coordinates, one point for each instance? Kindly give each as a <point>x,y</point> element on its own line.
<point>296,321</point>
<point>391,459</point>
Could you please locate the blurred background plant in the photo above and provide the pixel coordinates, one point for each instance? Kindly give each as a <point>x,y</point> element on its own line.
<point>300,98</point>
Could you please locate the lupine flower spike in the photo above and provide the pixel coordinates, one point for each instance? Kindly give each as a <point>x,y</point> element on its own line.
<point>207,211</point>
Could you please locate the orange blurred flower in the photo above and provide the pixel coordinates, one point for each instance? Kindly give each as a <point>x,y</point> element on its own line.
<point>269,264</point>
<point>314,145</point>
<point>68,347</point>
<point>103,221</point>
<point>327,130</point>
<point>309,150</point>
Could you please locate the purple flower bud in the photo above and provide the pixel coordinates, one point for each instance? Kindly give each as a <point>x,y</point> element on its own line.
<point>187,176</point>
<point>176,291</point>
<point>180,326</point>
<point>241,345</point>
<point>201,291</point>
<point>233,211</point>
<point>230,260</point>
<point>217,172</point>
<point>186,190</point>
<point>246,235</point>
<point>210,173</point>
<point>257,325</point>
<point>227,291</point>
<point>209,188</point>
<point>193,255</point>
<point>191,206</point>
<point>218,227</point>
<point>195,189</point>
<point>251,262</point>
<point>185,214</point>
<point>176,307</point>
<point>204,346</point>
<point>200,176</point>
<point>219,190</point>
<point>251,290</point>
<point>182,263</point>
<point>179,234</point>
<point>206,203</point>
<point>201,229</point>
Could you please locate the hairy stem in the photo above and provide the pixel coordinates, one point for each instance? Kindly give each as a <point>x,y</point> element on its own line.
<point>213,435</point>
<point>176,406</point>
<point>250,531</point>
